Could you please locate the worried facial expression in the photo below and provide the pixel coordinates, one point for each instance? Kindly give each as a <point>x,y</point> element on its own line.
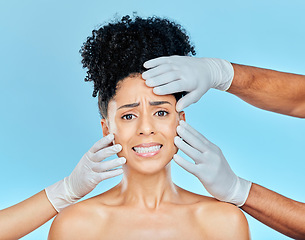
<point>144,124</point>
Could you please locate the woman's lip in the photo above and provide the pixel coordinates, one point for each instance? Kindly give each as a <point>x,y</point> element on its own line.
<point>149,154</point>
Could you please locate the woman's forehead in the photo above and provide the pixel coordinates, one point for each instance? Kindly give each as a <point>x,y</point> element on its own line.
<point>134,90</point>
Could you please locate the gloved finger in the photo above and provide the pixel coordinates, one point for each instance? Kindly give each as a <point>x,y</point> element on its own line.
<point>157,71</point>
<point>194,132</point>
<point>169,88</point>
<point>110,174</point>
<point>106,152</point>
<point>191,139</point>
<point>108,165</point>
<point>103,142</point>
<point>188,166</point>
<point>187,100</point>
<point>193,153</point>
<point>156,62</point>
<point>163,79</point>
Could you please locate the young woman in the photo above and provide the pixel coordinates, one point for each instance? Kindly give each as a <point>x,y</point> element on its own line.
<point>146,204</point>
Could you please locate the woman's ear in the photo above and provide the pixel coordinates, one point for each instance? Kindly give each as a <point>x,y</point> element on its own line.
<point>105,127</point>
<point>182,115</point>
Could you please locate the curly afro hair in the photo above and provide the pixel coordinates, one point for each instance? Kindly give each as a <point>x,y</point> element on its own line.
<point>119,49</point>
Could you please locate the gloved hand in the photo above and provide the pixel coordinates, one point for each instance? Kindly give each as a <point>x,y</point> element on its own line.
<point>183,73</point>
<point>89,172</point>
<point>211,167</point>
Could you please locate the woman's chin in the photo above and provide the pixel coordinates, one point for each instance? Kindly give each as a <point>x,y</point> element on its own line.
<point>147,167</point>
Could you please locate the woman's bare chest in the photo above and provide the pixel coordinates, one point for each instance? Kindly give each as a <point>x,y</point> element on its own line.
<point>180,224</point>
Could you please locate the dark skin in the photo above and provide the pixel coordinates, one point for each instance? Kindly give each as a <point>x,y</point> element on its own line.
<point>281,93</point>
<point>270,90</point>
<point>276,211</point>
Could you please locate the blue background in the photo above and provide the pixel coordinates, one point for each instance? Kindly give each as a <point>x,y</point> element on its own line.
<point>49,119</point>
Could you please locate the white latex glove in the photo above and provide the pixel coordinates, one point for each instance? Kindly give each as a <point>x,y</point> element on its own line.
<point>183,73</point>
<point>211,167</point>
<point>89,172</point>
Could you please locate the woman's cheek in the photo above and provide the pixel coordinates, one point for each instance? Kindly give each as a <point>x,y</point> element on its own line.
<point>169,130</point>
<point>120,139</point>
<point>175,149</point>
<point>174,133</point>
<point>121,154</point>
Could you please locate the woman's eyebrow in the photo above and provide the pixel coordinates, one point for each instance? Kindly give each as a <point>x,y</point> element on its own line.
<point>154,103</point>
<point>131,105</point>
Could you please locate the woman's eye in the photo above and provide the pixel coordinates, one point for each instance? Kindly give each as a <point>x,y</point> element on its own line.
<point>161,113</point>
<point>128,116</point>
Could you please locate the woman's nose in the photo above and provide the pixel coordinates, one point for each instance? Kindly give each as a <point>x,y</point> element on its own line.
<point>146,126</point>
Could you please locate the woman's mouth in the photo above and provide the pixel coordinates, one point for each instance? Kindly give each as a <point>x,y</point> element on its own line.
<point>147,149</point>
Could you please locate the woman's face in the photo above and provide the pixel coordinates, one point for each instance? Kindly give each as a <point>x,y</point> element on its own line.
<point>144,124</point>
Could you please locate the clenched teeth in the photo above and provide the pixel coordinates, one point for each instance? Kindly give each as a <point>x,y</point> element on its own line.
<point>147,149</point>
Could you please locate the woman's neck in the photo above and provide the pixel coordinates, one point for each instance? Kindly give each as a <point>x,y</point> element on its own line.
<point>148,190</point>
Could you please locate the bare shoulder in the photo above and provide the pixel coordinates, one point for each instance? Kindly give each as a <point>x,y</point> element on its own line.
<point>83,220</point>
<point>219,219</point>
<point>223,219</point>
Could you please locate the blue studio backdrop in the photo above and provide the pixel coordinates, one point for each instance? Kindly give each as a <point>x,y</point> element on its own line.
<point>49,118</point>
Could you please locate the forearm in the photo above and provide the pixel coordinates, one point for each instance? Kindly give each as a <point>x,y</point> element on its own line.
<point>276,211</point>
<point>22,218</point>
<point>270,90</point>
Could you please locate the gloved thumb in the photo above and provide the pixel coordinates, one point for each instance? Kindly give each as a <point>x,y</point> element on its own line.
<point>188,166</point>
<point>187,100</point>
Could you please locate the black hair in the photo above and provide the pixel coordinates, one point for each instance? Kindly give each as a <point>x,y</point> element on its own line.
<point>119,49</point>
